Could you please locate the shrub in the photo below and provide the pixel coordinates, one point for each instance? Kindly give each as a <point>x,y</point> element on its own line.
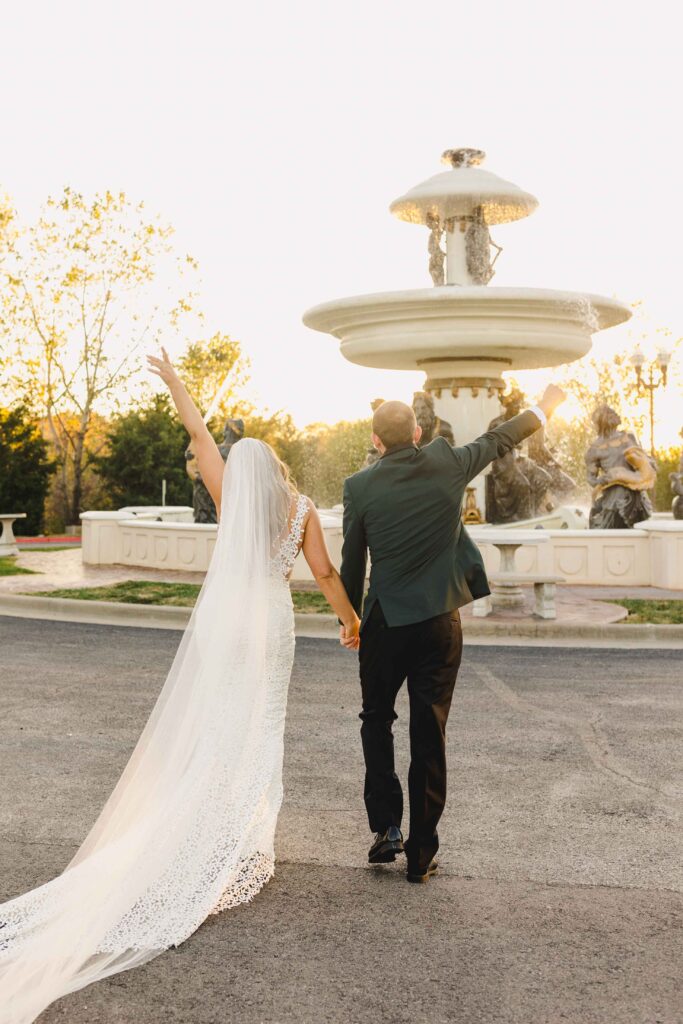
<point>25,469</point>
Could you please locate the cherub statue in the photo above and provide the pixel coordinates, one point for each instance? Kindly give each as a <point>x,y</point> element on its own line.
<point>478,240</point>
<point>478,244</point>
<point>436,253</point>
<point>620,472</point>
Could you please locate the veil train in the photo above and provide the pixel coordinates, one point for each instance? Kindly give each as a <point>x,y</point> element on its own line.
<point>189,825</point>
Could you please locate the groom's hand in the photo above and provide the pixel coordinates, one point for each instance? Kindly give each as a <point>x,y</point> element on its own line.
<point>552,397</point>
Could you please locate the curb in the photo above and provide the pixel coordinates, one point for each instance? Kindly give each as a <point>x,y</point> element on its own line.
<point>123,613</point>
<point>109,613</point>
<point>636,633</point>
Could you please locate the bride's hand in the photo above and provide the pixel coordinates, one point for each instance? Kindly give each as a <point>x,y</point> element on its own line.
<point>349,635</point>
<point>162,367</point>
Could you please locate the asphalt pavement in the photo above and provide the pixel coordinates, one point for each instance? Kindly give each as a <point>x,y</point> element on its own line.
<point>559,894</point>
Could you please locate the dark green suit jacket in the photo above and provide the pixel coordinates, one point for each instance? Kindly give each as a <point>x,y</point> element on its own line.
<point>406,511</point>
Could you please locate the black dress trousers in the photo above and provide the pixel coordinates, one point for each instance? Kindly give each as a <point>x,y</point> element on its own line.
<point>428,655</point>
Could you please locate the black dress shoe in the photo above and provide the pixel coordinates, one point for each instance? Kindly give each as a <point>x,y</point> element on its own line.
<point>423,876</point>
<point>386,846</point>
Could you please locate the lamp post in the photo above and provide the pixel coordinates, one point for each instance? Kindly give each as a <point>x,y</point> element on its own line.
<point>647,380</point>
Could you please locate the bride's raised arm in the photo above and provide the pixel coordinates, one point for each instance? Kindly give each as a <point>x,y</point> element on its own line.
<point>209,459</point>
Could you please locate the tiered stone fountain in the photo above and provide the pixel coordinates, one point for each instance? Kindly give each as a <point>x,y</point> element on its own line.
<point>463,333</point>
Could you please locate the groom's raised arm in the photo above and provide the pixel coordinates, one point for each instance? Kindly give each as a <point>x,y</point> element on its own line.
<point>354,553</point>
<point>476,456</point>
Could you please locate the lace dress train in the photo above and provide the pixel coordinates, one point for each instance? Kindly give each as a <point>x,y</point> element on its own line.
<point>266,789</point>
<point>189,829</point>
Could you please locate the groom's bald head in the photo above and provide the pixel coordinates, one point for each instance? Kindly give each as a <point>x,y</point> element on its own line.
<point>394,423</point>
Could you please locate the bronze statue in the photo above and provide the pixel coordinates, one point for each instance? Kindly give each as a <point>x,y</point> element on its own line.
<point>233,431</point>
<point>202,502</point>
<point>513,403</point>
<point>432,425</point>
<point>508,491</point>
<point>540,485</point>
<point>523,486</point>
<point>620,473</point>
<point>520,486</point>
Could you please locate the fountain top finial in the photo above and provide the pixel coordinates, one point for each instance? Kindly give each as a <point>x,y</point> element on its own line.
<point>463,157</point>
<point>464,191</point>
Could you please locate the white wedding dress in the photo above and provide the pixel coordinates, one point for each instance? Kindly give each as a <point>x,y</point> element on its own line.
<point>188,830</point>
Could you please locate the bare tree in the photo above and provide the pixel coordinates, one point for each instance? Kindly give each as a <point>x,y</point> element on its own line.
<point>80,291</point>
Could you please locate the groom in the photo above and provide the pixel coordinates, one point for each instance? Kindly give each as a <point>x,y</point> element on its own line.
<point>405,511</point>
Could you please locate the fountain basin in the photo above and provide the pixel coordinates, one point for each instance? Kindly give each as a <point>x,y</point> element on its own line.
<point>475,331</point>
<point>649,555</point>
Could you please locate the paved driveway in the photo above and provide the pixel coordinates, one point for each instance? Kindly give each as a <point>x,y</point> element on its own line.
<point>560,892</point>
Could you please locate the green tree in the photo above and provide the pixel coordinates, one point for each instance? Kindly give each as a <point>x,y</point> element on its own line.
<point>667,462</point>
<point>92,496</point>
<point>79,292</point>
<point>25,468</point>
<point>145,446</point>
<point>215,371</point>
<point>215,365</point>
<point>331,453</point>
<point>280,431</point>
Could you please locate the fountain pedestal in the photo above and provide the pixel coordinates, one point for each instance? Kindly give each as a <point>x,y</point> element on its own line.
<point>8,543</point>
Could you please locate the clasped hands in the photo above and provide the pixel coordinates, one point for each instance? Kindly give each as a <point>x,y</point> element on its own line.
<point>349,635</point>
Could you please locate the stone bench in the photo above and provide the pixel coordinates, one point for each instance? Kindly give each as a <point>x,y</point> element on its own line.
<point>8,543</point>
<point>506,593</point>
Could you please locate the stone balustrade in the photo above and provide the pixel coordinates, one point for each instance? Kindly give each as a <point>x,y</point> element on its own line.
<point>649,555</point>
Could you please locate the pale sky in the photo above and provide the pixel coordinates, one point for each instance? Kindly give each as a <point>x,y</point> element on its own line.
<point>275,135</point>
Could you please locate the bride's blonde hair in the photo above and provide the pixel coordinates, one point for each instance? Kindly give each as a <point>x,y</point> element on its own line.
<point>283,468</point>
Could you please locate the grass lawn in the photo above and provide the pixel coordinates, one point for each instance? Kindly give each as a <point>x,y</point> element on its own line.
<point>310,601</point>
<point>9,567</point>
<point>184,595</point>
<point>132,592</point>
<point>668,612</point>
<point>179,594</point>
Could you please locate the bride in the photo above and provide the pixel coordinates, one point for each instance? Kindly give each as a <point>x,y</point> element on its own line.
<point>188,829</point>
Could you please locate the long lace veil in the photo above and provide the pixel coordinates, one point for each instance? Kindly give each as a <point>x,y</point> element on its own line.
<point>171,835</point>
